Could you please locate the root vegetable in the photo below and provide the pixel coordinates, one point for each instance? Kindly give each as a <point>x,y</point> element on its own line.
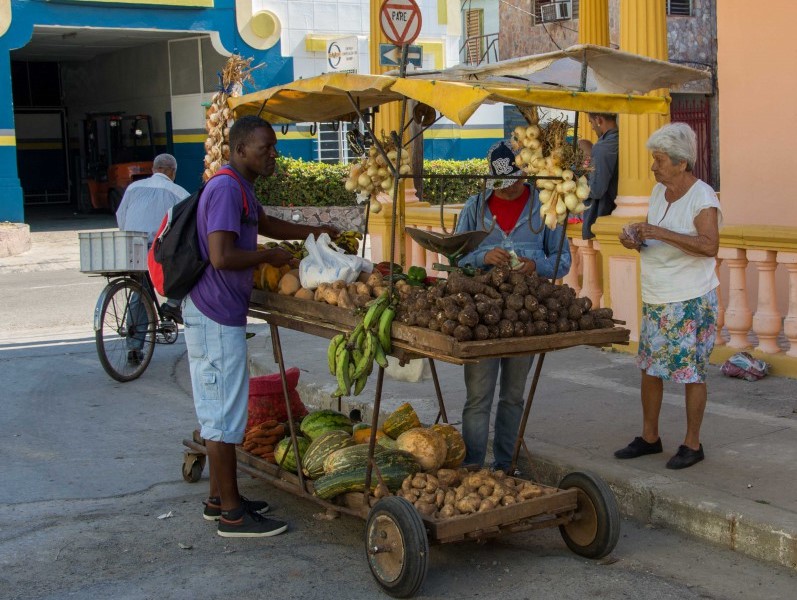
<point>447,477</point>
<point>487,504</point>
<point>427,509</point>
<point>447,511</point>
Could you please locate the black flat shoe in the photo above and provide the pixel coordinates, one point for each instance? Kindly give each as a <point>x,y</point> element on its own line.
<point>639,447</point>
<point>685,457</point>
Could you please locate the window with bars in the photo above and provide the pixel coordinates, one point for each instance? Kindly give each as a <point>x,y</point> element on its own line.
<point>474,30</point>
<point>679,8</point>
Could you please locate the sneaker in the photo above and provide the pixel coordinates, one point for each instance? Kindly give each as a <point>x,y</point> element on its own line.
<point>685,457</point>
<point>639,447</point>
<point>249,525</point>
<point>134,357</point>
<point>172,312</point>
<point>212,510</point>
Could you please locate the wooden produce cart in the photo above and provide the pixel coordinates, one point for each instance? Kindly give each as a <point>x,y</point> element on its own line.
<point>397,536</point>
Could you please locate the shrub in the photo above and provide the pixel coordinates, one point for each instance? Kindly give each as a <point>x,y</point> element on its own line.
<point>299,183</point>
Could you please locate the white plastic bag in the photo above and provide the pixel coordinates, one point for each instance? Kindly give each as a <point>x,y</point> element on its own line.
<point>323,264</point>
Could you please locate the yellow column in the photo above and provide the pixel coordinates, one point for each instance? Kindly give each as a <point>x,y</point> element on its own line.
<point>387,119</point>
<point>593,28</point>
<point>643,30</point>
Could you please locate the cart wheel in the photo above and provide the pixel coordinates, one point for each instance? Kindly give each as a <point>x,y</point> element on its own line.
<point>595,527</point>
<point>396,547</point>
<point>193,465</point>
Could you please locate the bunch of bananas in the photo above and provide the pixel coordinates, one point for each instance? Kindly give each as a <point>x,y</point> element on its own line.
<point>351,357</point>
<point>295,249</point>
<point>349,241</point>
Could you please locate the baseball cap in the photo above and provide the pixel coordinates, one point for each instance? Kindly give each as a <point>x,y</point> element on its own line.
<point>501,161</point>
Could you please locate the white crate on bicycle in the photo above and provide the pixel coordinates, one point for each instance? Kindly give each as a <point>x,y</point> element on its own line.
<point>107,251</point>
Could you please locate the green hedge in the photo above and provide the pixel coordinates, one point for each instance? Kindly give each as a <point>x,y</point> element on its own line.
<point>299,183</point>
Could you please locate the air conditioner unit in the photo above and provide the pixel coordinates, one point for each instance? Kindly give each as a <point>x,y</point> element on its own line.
<point>555,11</point>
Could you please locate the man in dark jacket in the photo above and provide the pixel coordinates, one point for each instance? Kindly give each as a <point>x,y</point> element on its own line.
<point>603,179</point>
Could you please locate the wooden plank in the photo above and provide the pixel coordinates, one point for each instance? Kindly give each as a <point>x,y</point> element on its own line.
<point>421,341</point>
<point>561,501</point>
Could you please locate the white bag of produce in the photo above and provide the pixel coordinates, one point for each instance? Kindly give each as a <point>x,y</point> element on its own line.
<point>326,263</point>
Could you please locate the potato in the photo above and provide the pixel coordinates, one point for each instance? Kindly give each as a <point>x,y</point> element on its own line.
<point>339,284</point>
<point>378,290</point>
<point>288,285</point>
<point>447,477</point>
<point>330,295</point>
<point>427,497</point>
<point>431,483</point>
<point>487,504</point>
<point>439,498</point>
<point>344,300</point>
<point>508,501</point>
<point>304,294</point>
<point>362,288</point>
<point>319,292</point>
<point>406,485</point>
<point>451,497</point>
<point>425,508</point>
<point>447,511</point>
<point>419,481</point>
<point>529,490</point>
<point>360,300</point>
<point>468,505</point>
<point>375,279</point>
<point>381,491</point>
<point>485,491</point>
<point>460,493</point>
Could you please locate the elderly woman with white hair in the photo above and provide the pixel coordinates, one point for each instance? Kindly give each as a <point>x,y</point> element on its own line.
<point>677,244</point>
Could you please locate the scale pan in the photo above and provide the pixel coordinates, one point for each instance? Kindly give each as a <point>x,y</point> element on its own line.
<point>445,243</point>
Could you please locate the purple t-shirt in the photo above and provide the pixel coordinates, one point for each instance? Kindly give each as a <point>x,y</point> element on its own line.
<point>222,294</point>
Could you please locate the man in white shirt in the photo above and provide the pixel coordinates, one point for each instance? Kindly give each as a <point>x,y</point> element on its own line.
<point>143,207</point>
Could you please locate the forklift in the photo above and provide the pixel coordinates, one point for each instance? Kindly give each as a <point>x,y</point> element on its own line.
<point>119,149</point>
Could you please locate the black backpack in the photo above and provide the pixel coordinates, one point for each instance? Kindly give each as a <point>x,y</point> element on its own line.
<point>175,260</point>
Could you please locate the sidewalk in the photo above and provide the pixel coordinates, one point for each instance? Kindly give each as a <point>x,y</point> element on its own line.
<point>743,496</point>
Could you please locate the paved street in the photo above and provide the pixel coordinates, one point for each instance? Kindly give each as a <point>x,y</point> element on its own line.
<point>88,466</point>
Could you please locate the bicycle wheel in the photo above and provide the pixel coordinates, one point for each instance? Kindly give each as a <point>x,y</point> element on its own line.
<point>125,333</point>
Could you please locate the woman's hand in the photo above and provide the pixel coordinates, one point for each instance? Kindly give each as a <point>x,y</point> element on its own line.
<point>497,256</point>
<point>646,231</point>
<point>330,230</point>
<point>629,236</point>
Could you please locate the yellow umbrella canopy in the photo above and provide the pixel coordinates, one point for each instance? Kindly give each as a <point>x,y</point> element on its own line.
<point>329,98</point>
<point>321,98</point>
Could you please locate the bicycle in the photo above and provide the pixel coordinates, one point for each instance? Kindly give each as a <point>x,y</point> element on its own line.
<point>127,316</point>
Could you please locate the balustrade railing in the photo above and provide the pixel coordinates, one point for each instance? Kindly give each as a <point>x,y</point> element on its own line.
<point>757,267</point>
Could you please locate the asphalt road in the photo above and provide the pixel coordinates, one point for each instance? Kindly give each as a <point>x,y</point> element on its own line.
<point>88,465</point>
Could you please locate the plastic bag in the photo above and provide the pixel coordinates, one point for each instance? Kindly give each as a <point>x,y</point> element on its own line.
<point>325,264</point>
<point>744,366</point>
<point>267,402</point>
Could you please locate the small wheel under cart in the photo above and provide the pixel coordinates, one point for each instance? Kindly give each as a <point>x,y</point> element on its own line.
<point>397,547</point>
<point>595,528</point>
<point>193,465</point>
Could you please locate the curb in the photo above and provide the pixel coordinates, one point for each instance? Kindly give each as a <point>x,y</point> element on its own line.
<point>739,524</point>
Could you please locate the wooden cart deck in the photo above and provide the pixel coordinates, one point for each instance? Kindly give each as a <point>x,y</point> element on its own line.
<point>325,320</point>
<point>555,507</point>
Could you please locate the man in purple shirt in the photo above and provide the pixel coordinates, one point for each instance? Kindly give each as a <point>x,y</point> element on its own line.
<point>215,317</point>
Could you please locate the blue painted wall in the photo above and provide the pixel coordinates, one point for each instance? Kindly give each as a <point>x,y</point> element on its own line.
<point>27,13</point>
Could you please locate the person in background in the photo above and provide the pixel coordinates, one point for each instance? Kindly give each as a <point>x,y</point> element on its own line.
<point>215,317</point>
<point>144,204</point>
<point>603,179</point>
<point>677,244</point>
<point>509,203</point>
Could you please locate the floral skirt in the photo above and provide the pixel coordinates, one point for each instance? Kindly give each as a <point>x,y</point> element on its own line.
<point>676,339</point>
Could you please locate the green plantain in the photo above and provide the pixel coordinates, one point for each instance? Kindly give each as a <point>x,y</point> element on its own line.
<point>383,331</point>
<point>332,351</point>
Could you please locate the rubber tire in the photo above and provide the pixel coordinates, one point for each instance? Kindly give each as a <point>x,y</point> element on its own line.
<point>414,541</point>
<point>193,465</point>
<point>596,492</point>
<point>117,300</point>
<point>114,201</point>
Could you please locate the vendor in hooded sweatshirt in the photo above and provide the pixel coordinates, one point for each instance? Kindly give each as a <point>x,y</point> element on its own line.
<point>505,207</point>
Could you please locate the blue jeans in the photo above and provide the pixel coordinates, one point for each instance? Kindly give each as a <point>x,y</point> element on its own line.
<point>219,375</point>
<point>480,383</point>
